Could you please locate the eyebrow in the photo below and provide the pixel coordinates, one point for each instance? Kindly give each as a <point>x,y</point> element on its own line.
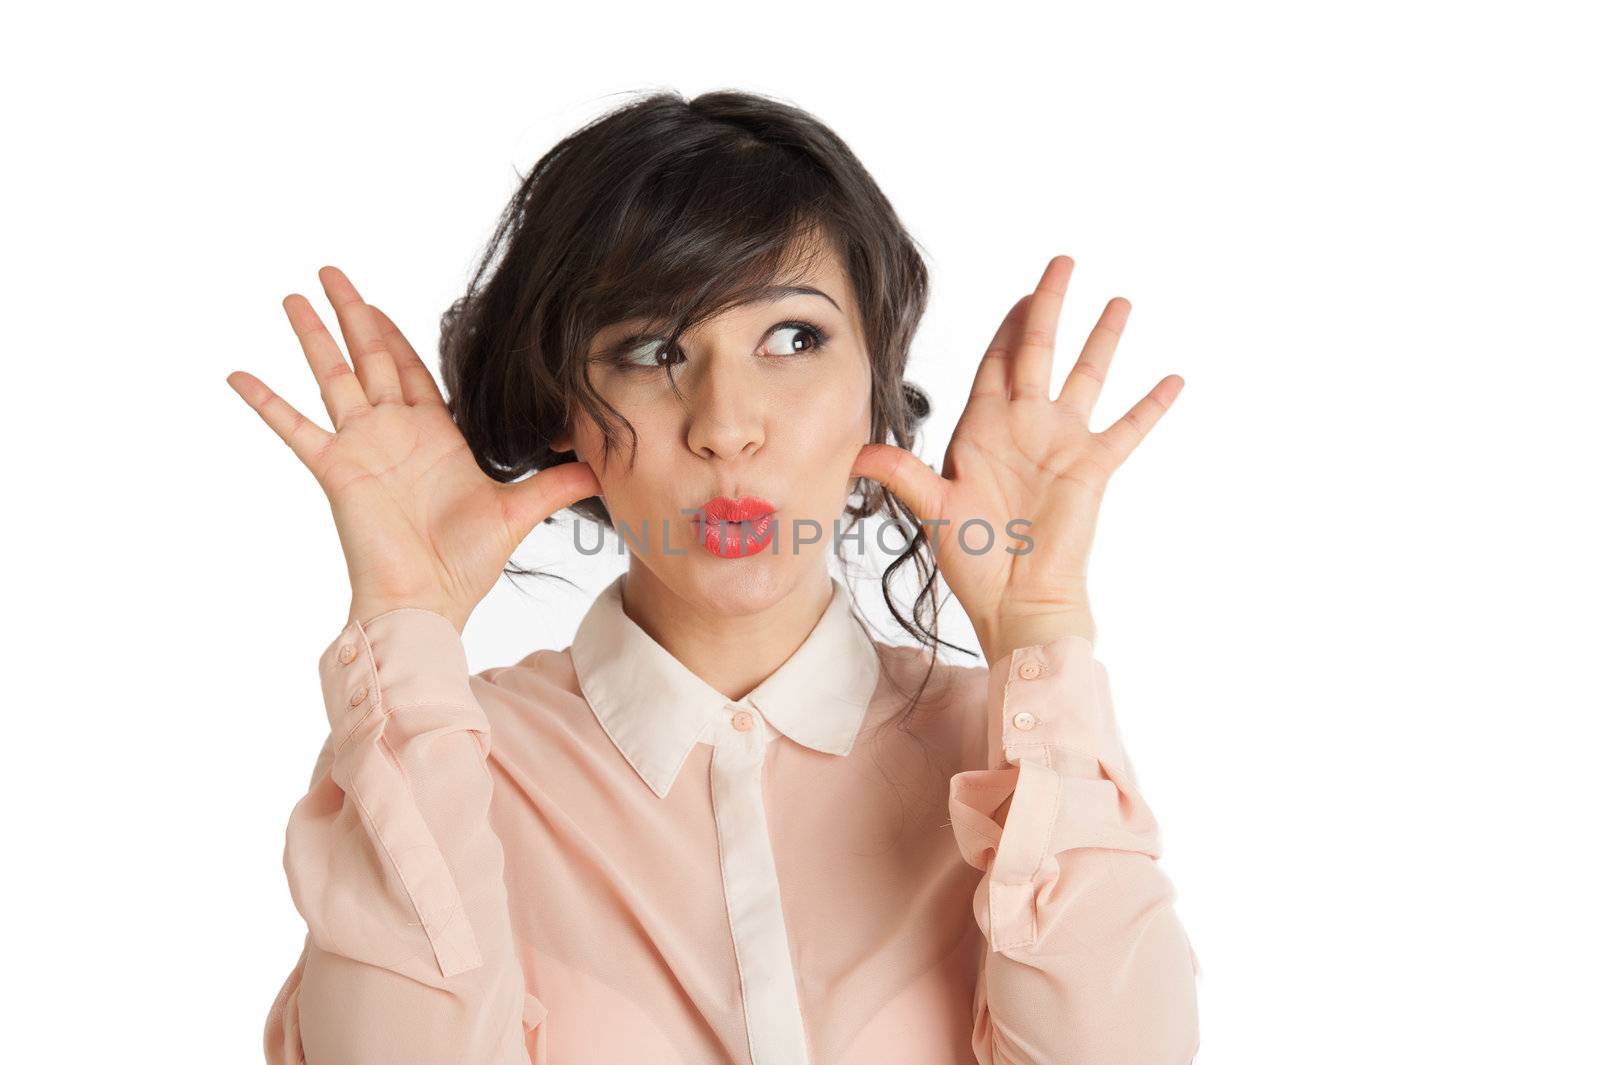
<point>774,293</point>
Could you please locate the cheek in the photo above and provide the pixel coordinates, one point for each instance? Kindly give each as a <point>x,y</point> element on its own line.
<point>637,460</point>
<point>830,422</point>
<point>853,404</point>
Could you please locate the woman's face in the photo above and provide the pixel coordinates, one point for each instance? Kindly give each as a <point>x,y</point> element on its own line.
<point>777,400</point>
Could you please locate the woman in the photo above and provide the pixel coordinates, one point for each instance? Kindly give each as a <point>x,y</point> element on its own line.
<point>725,824</point>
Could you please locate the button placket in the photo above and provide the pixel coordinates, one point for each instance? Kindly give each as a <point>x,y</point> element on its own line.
<point>1030,669</point>
<point>1026,669</point>
<point>751,891</point>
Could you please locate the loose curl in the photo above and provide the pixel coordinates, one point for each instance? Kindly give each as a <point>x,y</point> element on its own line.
<point>673,210</point>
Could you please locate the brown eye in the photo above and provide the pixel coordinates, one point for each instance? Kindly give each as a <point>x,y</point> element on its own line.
<point>787,340</point>
<point>644,353</point>
<point>796,338</point>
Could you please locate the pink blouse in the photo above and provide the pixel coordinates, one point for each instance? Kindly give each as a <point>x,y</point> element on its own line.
<point>592,856</point>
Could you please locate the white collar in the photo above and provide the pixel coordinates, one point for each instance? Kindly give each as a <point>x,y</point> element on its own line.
<point>655,709</point>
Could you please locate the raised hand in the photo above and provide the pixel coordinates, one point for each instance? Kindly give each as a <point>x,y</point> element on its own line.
<point>1016,453</point>
<point>421,524</point>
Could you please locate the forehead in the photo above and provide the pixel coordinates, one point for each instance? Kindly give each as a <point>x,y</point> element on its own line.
<point>820,268</point>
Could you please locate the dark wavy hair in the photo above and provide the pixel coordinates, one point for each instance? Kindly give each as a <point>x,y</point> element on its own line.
<point>674,209</point>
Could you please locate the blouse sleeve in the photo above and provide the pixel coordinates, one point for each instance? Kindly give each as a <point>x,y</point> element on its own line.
<point>1086,960</point>
<point>392,862</point>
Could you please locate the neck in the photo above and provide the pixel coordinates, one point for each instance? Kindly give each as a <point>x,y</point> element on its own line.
<point>732,638</point>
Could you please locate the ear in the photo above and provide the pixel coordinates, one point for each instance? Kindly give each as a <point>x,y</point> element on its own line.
<point>563,441</point>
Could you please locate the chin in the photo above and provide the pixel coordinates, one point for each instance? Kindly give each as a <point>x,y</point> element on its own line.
<point>732,586</point>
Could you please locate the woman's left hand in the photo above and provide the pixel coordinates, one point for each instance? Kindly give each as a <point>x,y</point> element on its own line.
<point>1018,454</point>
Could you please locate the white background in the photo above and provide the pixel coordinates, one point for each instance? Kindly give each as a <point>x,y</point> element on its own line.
<point>1345,590</point>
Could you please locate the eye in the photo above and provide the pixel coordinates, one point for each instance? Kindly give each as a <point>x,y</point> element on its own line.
<point>784,338</point>
<point>785,341</point>
<point>644,352</point>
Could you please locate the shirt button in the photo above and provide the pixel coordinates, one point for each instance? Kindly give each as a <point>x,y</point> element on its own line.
<point>358,695</point>
<point>347,653</point>
<point>1024,721</point>
<point>1028,671</point>
<point>742,721</point>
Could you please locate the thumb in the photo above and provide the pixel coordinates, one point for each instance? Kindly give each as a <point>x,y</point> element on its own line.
<point>908,477</point>
<point>533,499</point>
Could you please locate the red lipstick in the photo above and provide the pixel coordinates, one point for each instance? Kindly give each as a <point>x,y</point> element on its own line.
<point>735,528</point>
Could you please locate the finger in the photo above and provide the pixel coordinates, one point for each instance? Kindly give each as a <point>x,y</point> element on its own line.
<point>913,481</point>
<point>342,393</point>
<point>992,378</point>
<point>533,499</point>
<point>363,338</point>
<point>304,437</point>
<point>1034,350</point>
<point>1084,381</point>
<point>1124,435</point>
<point>416,380</point>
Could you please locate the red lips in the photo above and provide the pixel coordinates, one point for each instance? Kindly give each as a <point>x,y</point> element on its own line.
<point>735,528</point>
<point>745,508</point>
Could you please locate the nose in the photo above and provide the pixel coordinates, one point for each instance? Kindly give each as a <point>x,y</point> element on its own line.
<point>725,413</point>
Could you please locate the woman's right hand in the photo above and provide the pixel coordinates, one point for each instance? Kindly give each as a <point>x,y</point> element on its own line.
<point>421,524</point>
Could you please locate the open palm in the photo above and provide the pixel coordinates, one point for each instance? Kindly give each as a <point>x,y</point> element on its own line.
<point>421,524</point>
<point>1018,454</point>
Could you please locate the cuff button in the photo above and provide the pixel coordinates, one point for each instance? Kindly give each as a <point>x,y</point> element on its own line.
<point>347,653</point>
<point>1024,721</point>
<point>1028,670</point>
<point>358,695</point>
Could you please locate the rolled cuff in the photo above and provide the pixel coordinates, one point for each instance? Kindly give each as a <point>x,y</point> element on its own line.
<point>1055,753</point>
<point>393,689</point>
